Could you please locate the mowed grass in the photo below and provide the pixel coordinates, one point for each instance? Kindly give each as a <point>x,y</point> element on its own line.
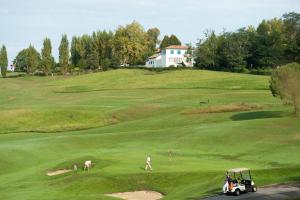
<point>118,117</point>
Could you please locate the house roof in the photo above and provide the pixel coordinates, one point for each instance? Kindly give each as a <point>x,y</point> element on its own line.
<point>154,56</point>
<point>177,47</point>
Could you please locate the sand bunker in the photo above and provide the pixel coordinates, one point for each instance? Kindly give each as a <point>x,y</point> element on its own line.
<point>138,195</point>
<point>58,172</point>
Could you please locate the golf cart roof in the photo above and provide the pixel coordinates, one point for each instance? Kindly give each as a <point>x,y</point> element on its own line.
<point>237,170</point>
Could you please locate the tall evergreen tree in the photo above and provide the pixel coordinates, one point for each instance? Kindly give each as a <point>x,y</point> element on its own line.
<point>165,42</point>
<point>47,59</point>
<point>103,42</point>
<point>3,61</point>
<point>168,41</point>
<point>173,40</point>
<point>64,54</point>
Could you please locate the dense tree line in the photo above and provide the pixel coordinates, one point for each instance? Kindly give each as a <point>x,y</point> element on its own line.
<point>128,45</point>
<point>273,43</point>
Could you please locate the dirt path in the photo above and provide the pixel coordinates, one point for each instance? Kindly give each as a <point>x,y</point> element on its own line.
<point>138,195</point>
<point>272,192</point>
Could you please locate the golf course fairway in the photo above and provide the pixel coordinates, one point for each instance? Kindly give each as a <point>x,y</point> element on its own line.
<point>195,125</point>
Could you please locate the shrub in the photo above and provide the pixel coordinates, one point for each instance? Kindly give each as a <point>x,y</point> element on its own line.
<point>285,83</point>
<point>105,64</point>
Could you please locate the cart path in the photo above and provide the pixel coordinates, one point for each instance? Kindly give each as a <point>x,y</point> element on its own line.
<point>272,192</point>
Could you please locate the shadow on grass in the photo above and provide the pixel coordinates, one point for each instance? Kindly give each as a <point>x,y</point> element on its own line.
<point>257,115</point>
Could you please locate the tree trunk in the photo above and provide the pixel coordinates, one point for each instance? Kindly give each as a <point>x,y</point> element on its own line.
<point>296,108</point>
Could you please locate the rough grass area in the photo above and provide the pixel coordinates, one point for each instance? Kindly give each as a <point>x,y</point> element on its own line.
<point>50,120</point>
<point>236,107</point>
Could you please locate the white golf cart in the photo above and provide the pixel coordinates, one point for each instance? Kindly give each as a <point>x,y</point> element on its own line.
<point>240,182</point>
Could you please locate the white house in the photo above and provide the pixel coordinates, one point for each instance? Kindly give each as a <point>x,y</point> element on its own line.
<point>175,55</point>
<point>11,68</point>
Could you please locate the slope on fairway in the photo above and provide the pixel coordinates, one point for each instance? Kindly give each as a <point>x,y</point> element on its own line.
<point>118,117</point>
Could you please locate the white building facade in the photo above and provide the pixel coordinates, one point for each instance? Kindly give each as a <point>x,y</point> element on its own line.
<point>175,55</point>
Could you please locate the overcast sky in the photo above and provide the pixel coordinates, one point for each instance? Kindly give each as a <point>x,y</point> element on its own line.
<point>29,21</point>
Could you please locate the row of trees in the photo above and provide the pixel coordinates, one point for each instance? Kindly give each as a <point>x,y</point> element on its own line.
<point>3,61</point>
<point>128,45</point>
<point>274,42</point>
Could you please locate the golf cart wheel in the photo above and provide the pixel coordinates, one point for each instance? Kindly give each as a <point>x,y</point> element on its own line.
<point>254,189</point>
<point>237,192</point>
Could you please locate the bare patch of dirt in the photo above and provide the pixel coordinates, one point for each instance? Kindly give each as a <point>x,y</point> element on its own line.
<point>138,195</point>
<point>58,172</point>
<point>236,107</point>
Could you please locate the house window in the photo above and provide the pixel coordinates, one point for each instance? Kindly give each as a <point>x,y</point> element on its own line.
<point>172,51</point>
<point>163,52</point>
<point>178,52</point>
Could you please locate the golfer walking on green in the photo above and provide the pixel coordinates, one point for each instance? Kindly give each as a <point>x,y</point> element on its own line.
<point>148,163</point>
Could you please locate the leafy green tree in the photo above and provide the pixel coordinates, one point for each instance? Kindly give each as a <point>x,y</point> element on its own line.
<point>92,59</point>
<point>105,64</point>
<point>291,29</point>
<point>103,42</point>
<point>153,34</point>
<point>3,61</point>
<point>20,61</point>
<point>207,52</point>
<point>269,46</point>
<point>27,60</point>
<point>130,44</point>
<point>46,56</point>
<point>32,59</point>
<point>190,53</point>
<point>285,83</point>
<point>64,54</point>
<point>234,51</point>
<point>79,52</point>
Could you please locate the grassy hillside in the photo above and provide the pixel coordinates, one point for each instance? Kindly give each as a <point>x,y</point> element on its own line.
<point>118,117</point>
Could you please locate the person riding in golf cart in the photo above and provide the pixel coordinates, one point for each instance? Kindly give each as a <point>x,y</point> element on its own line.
<point>239,181</point>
